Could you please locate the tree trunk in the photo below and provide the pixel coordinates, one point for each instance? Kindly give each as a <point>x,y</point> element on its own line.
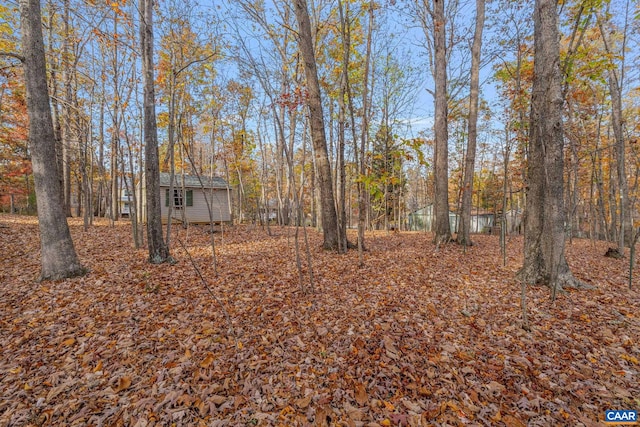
<point>505,178</point>
<point>115,131</point>
<point>615,80</point>
<point>625,234</point>
<point>328,207</point>
<point>52,68</point>
<point>66,113</point>
<point>158,250</point>
<point>58,255</point>
<point>85,187</point>
<point>442,230</point>
<point>100,199</point>
<point>341,176</point>
<point>362,190</point>
<point>171,155</point>
<point>469,166</point>
<point>544,259</point>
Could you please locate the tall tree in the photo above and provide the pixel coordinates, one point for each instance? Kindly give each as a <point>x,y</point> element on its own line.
<point>115,117</point>
<point>158,250</point>
<point>469,166</point>
<point>343,95</point>
<point>616,81</point>
<point>58,255</point>
<point>442,229</point>
<point>544,259</point>
<point>66,113</point>
<point>318,136</point>
<point>361,164</point>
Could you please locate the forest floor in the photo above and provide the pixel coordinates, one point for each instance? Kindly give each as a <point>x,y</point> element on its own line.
<point>415,337</point>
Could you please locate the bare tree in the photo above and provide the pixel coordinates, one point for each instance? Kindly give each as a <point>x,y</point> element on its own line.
<point>442,229</point>
<point>361,163</point>
<point>58,255</point>
<point>616,81</point>
<point>469,166</point>
<point>318,136</point>
<point>158,250</point>
<point>66,113</point>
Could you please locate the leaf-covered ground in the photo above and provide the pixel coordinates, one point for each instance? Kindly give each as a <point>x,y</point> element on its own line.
<point>416,337</point>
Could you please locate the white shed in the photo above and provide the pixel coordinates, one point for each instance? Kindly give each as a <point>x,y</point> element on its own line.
<point>424,219</point>
<point>190,196</point>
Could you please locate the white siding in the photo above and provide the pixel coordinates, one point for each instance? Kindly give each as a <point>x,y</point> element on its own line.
<point>198,213</point>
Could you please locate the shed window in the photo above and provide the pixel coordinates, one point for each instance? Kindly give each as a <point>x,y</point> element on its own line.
<point>178,199</point>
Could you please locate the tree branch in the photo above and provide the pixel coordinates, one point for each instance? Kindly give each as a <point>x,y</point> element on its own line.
<point>13,55</point>
<point>194,61</point>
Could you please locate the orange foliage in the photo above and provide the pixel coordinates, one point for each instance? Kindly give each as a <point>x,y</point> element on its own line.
<point>14,159</point>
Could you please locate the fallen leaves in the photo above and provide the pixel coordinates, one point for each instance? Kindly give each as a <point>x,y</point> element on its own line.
<point>415,337</point>
<point>361,394</point>
<point>69,342</point>
<point>304,402</point>
<point>207,361</point>
<point>123,384</point>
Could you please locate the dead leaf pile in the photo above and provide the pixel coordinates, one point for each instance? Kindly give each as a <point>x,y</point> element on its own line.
<point>416,337</point>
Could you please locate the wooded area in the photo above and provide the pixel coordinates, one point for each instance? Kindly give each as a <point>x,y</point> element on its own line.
<point>251,146</point>
<point>232,102</point>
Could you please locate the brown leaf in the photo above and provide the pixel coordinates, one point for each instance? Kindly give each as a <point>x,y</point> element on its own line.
<point>237,401</point>
<point>411,406</point>
<point>54,392</point>
<point>217,399</point>
<point>512,421</point>
<point>123,383</point>
<point>207,361</point>
<point>303,402</point>
<point>432,308</point>
<point>390,347</point>
<point>355,414</point>
<point>323,417</point>
<point>361,394</point>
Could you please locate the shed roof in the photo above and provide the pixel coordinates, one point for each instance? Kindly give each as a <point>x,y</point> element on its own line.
<point>475,212</point>
<point>428,210</point>
<point>193,181</point>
